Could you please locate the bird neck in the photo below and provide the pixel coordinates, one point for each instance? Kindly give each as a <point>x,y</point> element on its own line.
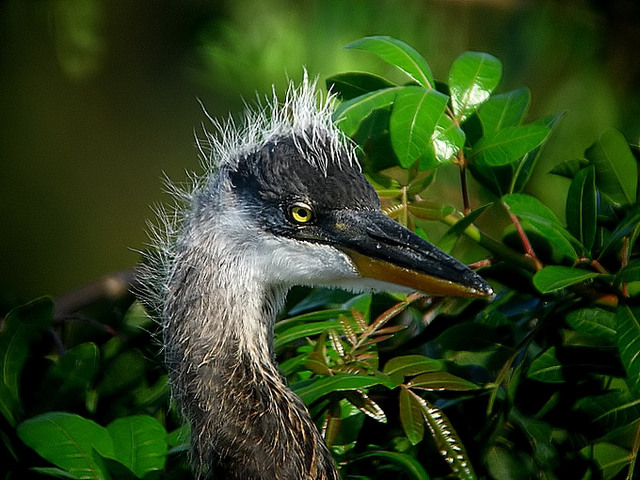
<point>218,334</point>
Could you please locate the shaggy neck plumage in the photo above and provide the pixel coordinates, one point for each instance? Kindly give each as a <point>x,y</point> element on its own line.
<point>245,422</point>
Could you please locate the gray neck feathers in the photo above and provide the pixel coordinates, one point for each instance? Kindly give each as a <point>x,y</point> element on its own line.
<point>218,324</point>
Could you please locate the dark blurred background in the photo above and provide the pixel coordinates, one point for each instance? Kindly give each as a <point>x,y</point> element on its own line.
<point>99,97</point>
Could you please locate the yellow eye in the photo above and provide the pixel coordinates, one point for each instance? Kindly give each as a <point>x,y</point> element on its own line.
<point>301,213</point>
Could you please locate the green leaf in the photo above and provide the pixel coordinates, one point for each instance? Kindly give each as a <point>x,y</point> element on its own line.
<point>398,54</point>
<point>610,458</point>
<point>426,210</point>
<point>436,381</point>
<point>408,464</point>
<point>408,365</point>
<point>447,140</point>
<point>139,443</point>
<point>527,166</point>
<point>411,416</point>
<point>23,326</point>
<point>472,78</point>
<point>72,373</point>
<point>508,145</point>
<point>556,277</point>
<point>303,331</point>
<point>628,326</point>
<point>627,226</point>
<point>616,167</point>
<point>353,84</point>
<point>340,382</point>
<point>450,237</point>
<point>505,110</point>
<point>447,440</point>
<point>629,273</point>
<point>582,208</point>
<point>348,115</point>
<point>70,442</point>
<point>595,322</point>
<point>546,367</point>
<point>611,410</point>
<point>534,214</point>
<point>569,168</point>
<point>413,121</point>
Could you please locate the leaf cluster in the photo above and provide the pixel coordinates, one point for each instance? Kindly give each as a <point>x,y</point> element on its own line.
<point>543,381</point>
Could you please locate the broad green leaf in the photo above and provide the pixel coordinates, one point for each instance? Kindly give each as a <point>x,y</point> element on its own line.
<point>616,167</point>
<point>411,416</point>
<point>447,140</point>
<point>139,443</point>
<point>348,115</point>
<point>472,78</point>
<point>21,328</point>
<point>504,110</point>
<point>526,167</point>
<point>556,277</point>
<point>436,381</point>
<point>611,410</point>
<point>413,121</point>
<point>70,442</point>
<point>429,210</point>
<point>409,465</point>
<point>398,54</point>
<point>610,458</point>
<point>353,84</point>
<point>595,322</point>
<point>582,208</point>
<point>533,213</point>
<point>340,382</point>
<point>508,145</point>
<point>408,365</point>
<point>546,368</point>
<point>628,326</point>
<point>303,331</point>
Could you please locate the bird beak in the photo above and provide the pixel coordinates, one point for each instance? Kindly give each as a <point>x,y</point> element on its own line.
<point>382,249</point>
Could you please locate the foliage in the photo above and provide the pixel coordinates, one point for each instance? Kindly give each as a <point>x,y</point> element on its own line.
<point>541,382</point>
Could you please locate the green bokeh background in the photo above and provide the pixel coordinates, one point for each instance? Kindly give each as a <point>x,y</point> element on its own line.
<point>98,98</point>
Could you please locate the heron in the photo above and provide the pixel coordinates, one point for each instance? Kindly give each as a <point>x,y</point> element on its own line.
<point>282,202</point>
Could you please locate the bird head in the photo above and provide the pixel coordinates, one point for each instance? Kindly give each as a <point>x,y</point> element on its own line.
<point>299,210</point>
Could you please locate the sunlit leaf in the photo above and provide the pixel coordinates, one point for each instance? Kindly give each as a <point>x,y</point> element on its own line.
<point>447,140</point>
<point>429,210</point>
<point>582,208</point>
<point>298,332</point>
<point>353,84</point>
<point>504,110</point>
<point>508,145</point>
<point>22,326</point>
<point>398,54</point>
<point>628,326</point>
<point>556,277</point>
<point>413,121</point>
<point>139,443</point>
<point>435,381</point>
<point>616,167</point>
<point>411,416</point>
<point>70,442</point>
<point>448,240</point>
<point>472,78</point>
<point>546,368</point>
<point>610,458</point>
